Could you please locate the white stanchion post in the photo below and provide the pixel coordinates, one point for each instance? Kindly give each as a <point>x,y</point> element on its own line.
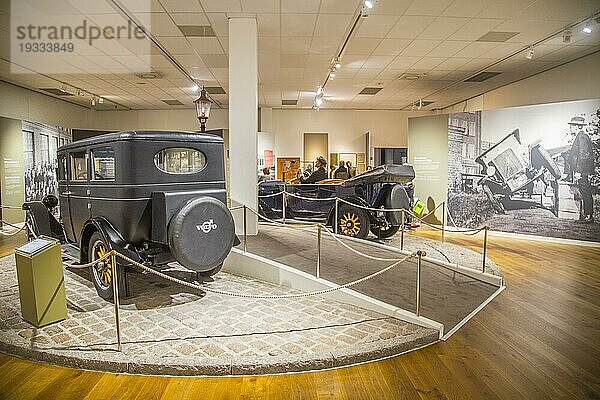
<point>115,281</point>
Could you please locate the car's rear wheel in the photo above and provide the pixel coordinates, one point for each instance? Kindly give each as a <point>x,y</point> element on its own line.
<point>102,272</point>
<point>353,221</point>
<point>385,233</point>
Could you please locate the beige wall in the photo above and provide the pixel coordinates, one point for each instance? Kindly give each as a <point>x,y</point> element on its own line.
<point>346,129</point>
<point>577,80</point>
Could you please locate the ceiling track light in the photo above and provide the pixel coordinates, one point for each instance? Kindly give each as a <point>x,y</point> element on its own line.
<point>93,101</point>
<point>529,55</point>
<point>320,90</point>
<point>567,36</point>
<point>336,63</point>
<point>587,28</point>
<point>369,3</point>
<point>195,88</point>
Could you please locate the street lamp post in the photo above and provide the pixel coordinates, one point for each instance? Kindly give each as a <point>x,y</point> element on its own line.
<point>203,109</point>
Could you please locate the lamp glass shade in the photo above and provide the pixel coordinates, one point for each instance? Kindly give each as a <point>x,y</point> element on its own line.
<point>203,106</point>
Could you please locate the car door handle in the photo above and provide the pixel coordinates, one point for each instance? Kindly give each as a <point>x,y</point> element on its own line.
<point>66,193</point>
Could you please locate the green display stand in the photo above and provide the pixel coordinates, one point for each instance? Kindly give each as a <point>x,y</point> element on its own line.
<point>41,282</point>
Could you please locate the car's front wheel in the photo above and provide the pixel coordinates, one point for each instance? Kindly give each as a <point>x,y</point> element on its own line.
<point>102,272</point>
<point>353,221</point>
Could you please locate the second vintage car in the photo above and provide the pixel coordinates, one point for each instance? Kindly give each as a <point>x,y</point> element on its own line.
<point>384,187</point>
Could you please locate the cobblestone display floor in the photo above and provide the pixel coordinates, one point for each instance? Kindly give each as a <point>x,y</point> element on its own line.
<point>171,329</point>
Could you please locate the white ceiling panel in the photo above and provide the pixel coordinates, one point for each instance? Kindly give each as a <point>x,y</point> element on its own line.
<point>376,26</point>
<point>410,26</point>
<point>304,6</point>
<point>298,24</point>
<point>260,6</point>
<point>298,39</point>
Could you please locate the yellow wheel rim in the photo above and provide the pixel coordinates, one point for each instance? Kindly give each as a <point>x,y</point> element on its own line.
<point>350,224</point>
<point>103,269</point>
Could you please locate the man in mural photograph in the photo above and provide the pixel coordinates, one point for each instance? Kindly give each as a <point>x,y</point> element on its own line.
<point>579,166</point>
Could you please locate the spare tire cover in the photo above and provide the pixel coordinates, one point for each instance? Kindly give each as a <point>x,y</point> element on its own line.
<point>397,198</point>
<point>201,234</point>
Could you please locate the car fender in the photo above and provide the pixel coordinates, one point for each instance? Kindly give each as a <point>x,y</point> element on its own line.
<point>359,201</point>
<point>110,235</point>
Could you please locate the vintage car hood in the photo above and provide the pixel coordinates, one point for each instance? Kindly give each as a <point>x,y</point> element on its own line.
<point>388,173</point>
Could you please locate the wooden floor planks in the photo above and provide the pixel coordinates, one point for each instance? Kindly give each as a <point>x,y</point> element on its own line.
<point>539,339</point>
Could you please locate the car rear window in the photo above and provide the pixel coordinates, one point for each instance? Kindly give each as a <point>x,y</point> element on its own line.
<point>178,160</point>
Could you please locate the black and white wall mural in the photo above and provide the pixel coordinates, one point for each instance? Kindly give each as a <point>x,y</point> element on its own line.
<point>40,143</point>
<point>532,170</point>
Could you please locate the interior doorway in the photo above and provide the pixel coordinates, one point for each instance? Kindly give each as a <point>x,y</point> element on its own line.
<point>390,155</point>
<point>315,144</point>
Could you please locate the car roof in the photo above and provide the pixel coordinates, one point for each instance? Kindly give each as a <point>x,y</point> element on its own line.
<point>160,136</point>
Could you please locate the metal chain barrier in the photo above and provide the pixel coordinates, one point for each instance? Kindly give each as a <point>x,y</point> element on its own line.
<point>258,296</point>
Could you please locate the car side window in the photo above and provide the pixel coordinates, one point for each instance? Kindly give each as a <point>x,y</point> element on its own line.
<point>78,166</point>
<point>103,164</point>
<point>180,160</point>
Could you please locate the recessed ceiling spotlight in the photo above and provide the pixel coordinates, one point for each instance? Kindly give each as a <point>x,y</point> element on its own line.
<point>529,55</point>
<point>369,3</point>
<point>195,88</point>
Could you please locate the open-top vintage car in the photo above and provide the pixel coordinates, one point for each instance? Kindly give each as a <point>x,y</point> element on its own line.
<point>155,197</point>
<point>506,172</point>
<point>382,187</point>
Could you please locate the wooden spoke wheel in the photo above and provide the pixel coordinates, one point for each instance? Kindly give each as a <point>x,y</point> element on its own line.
<point>102,272</point>
<point>353,221</point>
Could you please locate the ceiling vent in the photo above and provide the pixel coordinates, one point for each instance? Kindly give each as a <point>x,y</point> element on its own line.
<point>483,76</point>
<point>149,75</point>
<point>173,102</point>
<point>214,90</point>
<point>370,90</point>
<point>197,30</point>
<point>289,102</point>
<point>56,92</point>
<point>497,36</point>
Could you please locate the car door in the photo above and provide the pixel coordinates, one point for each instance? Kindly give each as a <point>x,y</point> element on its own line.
<point>79,191</point>
<point>63,194</point>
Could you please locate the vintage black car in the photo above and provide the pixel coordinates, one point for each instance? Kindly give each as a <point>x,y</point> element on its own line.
<point>382,187</point>
<point>155,197</point>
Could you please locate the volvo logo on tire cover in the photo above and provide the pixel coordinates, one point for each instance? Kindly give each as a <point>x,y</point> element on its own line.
<point>205,251</point>
<point>207,226</point>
